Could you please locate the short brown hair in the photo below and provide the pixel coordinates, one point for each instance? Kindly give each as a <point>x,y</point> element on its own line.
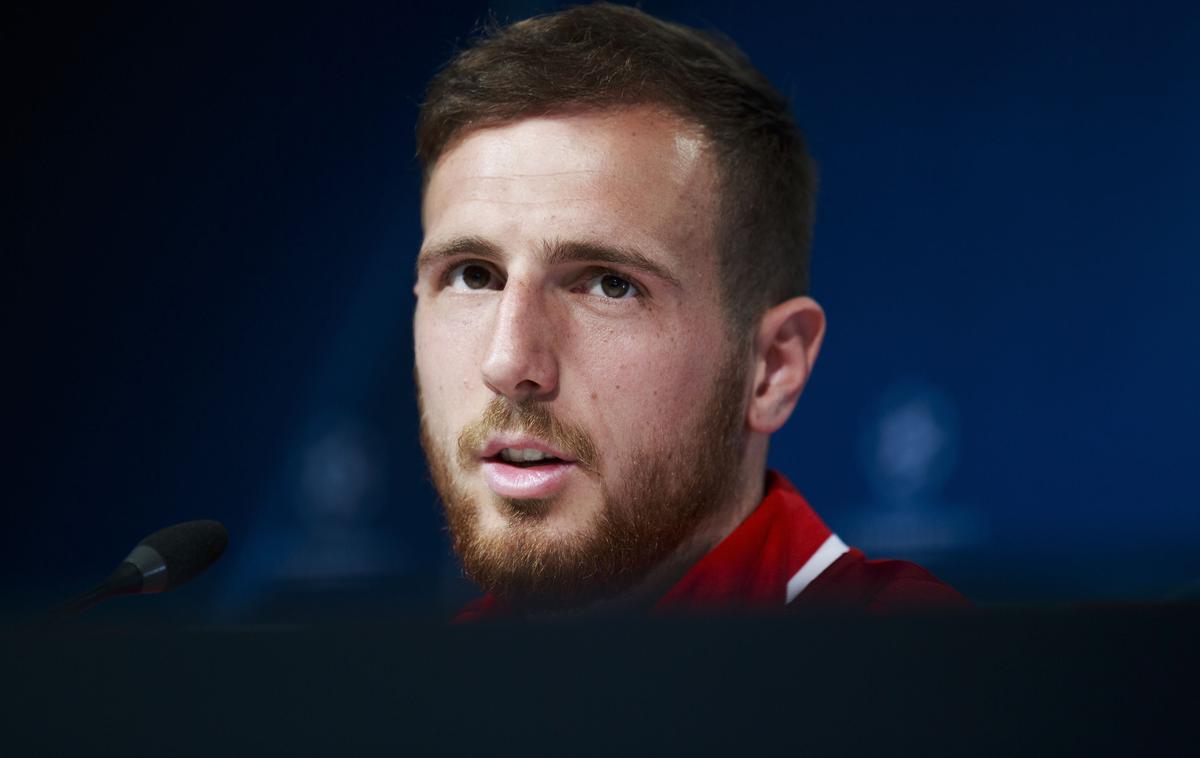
<point>602,56</point>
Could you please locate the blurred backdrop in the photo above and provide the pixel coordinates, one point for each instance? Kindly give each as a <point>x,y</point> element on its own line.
<point>213,215</point>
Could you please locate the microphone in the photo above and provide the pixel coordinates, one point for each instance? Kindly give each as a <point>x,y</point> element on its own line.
<point>163,561</point>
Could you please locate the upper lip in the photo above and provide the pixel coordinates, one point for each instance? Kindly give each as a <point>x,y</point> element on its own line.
<point>498,443</point>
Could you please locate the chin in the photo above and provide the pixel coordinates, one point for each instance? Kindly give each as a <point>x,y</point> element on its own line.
<point>561,517</point>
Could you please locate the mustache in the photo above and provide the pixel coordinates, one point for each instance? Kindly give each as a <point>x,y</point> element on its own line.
<point>533,418</point>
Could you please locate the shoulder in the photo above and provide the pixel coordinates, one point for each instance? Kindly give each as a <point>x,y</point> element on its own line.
<point>878,586</point>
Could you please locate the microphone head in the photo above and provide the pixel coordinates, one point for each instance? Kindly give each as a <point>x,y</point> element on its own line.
<point>188,548</point>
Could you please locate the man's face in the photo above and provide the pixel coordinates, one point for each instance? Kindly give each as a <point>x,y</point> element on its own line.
<point>569,305</point>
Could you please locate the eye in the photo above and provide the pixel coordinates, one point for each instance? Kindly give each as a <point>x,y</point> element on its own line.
<point>472,276</point>
<point>613,287</point>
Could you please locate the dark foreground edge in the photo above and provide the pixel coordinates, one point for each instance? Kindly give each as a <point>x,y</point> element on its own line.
<point>1081,682</point>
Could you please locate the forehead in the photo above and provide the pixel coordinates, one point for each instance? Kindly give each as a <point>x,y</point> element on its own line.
<point>638,177</point>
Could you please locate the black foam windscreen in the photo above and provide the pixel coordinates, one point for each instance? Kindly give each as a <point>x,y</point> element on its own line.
<point>188,548</point>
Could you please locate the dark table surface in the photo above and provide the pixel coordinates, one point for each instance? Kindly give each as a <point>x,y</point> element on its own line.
<point>1087,681</point>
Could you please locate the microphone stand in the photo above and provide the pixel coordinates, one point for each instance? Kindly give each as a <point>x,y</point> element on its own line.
<point>125,580</point>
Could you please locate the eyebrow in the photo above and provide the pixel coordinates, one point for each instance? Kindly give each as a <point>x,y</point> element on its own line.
<point>560,251</point>
<point>554,252</point>
<point>477,246</point>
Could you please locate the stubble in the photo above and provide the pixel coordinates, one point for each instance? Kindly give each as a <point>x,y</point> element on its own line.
<point>676,482</point>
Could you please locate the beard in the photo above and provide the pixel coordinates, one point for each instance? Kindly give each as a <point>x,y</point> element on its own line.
<point>674,484</point>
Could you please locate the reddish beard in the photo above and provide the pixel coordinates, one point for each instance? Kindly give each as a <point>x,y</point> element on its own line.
<point>673,487</point>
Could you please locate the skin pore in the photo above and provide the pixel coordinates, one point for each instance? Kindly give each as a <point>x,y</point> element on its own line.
<point>568,290</point>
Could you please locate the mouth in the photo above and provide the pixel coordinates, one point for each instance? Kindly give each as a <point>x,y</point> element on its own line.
<point>526,472</point>
<point>524,457</point>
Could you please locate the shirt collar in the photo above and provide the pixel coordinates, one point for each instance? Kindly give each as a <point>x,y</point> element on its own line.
<point>752,567</point>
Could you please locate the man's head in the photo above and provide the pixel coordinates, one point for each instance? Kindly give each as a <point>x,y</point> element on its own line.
<point>617,215</point>
<point>602,57</point>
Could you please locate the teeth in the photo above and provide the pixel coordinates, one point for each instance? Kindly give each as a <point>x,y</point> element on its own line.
<point>521,454</point>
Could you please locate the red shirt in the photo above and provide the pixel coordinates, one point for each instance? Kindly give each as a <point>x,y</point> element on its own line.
<point>783,557</point>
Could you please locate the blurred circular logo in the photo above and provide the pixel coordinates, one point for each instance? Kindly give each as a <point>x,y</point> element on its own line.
<point>336,475</point>
<point>909,444</point>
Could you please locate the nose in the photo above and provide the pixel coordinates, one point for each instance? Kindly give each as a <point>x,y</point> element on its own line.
<point>521,363</point>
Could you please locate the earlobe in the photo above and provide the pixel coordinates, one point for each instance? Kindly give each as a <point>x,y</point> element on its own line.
<point>786,345</point>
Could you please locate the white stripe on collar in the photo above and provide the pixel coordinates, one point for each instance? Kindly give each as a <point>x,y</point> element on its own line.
<point>829,551</point>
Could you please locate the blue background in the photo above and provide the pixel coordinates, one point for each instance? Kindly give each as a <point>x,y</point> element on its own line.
<point>208,252</point>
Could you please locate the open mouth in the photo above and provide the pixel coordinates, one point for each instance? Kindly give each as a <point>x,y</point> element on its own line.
<point>524,464</point>
<point>526,473</point>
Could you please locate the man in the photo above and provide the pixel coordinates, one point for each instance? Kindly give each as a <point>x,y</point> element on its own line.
<point>612,320</point>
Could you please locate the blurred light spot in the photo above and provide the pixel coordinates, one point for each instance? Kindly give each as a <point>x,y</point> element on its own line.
<point>908,448</point>
<point>336,475</point>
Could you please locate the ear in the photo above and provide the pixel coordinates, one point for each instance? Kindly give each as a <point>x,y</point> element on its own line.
<point>785,348</point>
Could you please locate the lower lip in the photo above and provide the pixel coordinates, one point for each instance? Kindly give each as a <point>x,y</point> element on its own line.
<point>526,483</point>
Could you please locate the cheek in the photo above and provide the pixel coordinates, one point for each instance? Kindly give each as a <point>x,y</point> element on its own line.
<point>645,385</point>
<point>446,366</point>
